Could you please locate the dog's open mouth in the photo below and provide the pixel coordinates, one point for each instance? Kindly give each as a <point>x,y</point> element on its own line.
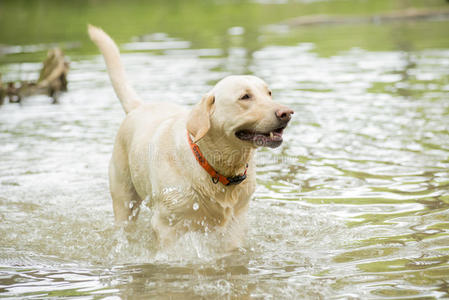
<point>270,139</point>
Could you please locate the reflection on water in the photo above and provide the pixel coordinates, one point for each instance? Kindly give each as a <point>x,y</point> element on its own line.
<point>354,204</point>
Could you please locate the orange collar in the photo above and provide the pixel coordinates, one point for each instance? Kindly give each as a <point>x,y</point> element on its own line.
<point>216,177</point>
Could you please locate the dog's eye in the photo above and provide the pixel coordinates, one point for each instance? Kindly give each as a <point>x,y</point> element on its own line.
<point>269,93</point>
<point>245,97</point>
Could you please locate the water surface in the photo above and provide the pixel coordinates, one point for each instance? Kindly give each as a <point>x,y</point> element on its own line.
<point>354,204</point>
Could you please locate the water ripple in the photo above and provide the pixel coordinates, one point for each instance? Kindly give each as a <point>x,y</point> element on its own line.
<point>354,204</point>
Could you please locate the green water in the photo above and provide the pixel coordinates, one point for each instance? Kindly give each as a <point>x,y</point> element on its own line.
<point>354,205</point>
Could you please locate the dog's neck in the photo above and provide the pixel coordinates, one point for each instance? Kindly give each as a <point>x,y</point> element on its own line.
<point>226,158</point>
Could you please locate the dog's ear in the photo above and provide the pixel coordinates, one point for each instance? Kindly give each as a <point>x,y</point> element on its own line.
<point>198,121</point>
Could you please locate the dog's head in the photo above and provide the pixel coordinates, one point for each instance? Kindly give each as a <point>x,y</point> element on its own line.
<point>241,110</point>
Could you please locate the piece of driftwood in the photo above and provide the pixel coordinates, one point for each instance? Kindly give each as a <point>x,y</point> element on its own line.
<point>403,15</point>
<point>52,80</point>
<point>2,91</point>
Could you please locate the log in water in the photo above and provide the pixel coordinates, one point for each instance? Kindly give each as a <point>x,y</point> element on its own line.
<point>52,80</point>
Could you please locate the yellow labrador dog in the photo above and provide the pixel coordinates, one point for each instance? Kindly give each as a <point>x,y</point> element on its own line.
<point>197,167</point>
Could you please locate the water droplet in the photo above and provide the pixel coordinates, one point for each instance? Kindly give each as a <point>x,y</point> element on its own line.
<point>171,218</point>
<point>196,206</point>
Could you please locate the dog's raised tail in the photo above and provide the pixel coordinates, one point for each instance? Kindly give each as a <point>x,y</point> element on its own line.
<point>128,97</point>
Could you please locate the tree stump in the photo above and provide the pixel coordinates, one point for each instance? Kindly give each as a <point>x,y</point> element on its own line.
<point>52,80</point>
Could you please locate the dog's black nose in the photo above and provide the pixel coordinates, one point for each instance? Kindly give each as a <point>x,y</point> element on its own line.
<point>284,114</point>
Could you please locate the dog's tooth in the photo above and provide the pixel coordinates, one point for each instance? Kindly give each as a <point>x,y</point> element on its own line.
<point>271,135</point>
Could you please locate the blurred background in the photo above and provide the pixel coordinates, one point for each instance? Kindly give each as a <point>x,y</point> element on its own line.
<point>250,25</point>
<point>353,205</point>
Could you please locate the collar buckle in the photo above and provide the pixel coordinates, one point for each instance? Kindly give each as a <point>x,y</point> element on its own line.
<point>236,179</point>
